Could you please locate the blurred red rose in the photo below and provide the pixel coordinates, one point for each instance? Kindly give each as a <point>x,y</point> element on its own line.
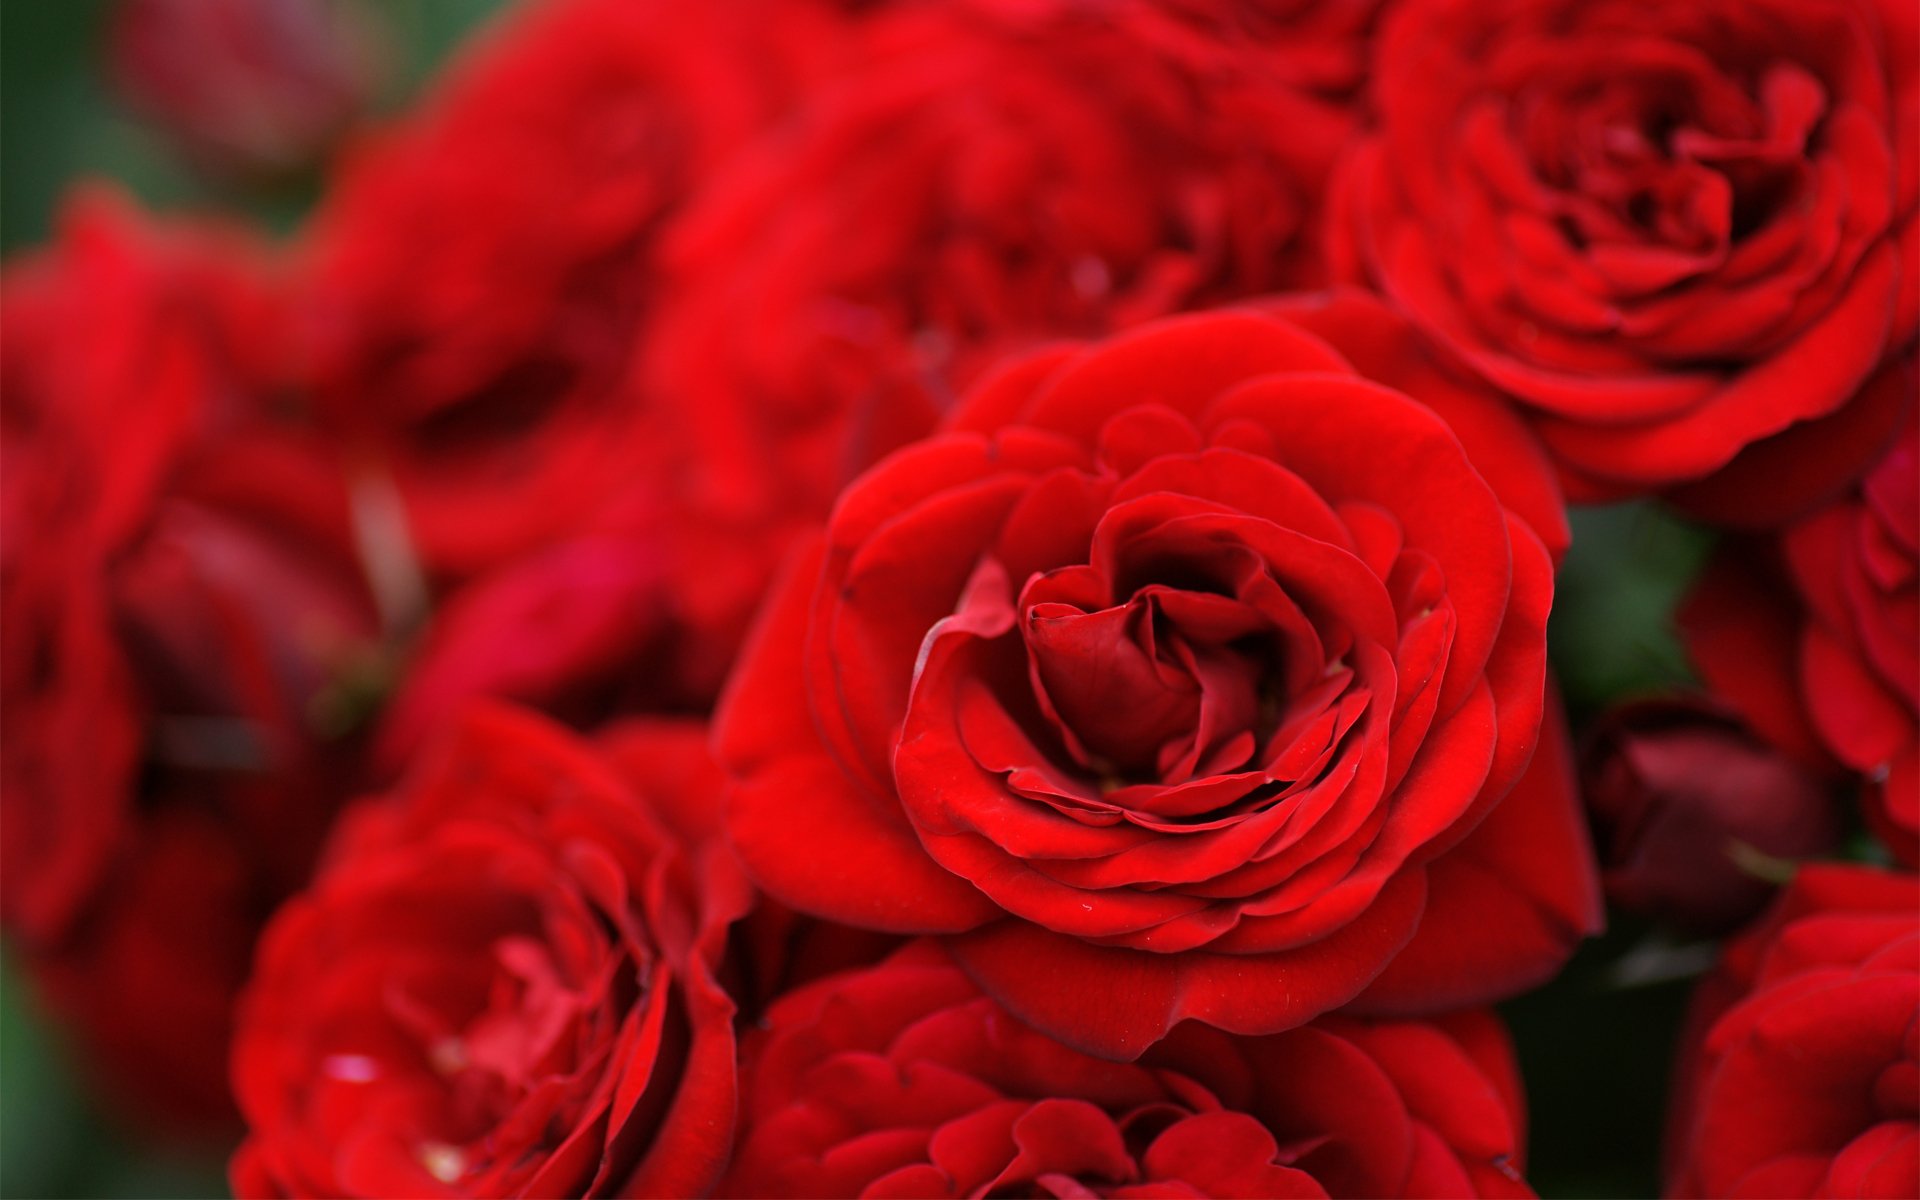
<point>253,90</point>
<point>904,1080</point>
<point>503,980</point>
<point>1182,676</point>
<point>1836,675</point>
<point>992,175</point>
<point>1800,1073</point>
<point>1670,233</point>
<point>178,594</point>
<point>479,273</point>
<point>1690,804</point>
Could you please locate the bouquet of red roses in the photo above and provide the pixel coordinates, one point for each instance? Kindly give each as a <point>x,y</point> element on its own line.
<point>978,597</point>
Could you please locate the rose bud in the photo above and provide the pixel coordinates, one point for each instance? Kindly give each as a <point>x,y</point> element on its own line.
<point>1690,806</point>
<point>904,1080</point>
<point>1799,1073</point>
<point>252,90</point>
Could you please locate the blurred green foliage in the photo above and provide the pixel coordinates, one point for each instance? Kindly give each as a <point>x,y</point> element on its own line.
<point>60,121</point>
<point>1611,634</point>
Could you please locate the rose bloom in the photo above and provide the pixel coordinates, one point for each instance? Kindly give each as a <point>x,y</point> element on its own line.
<point>503,980</point>
<point>1189,674</point>
<point>1669,232</point>
<point>1689,803</point>
<point>1837,675</point>
<point>478,274</point>
<point>904,1080</point>
<point>178,598</point>
<point>853,272</point>
<point>1800,1072</point>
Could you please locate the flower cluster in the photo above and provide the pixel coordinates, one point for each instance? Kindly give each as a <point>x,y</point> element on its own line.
<point>951,597</point>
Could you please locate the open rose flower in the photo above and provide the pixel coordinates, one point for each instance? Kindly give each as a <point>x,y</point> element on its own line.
<point>1801,1074</point>
<point>178,595</point>
<point>478,275</point>
<point>1187,675</point>
<point>1835,676</point>
<point>1668,232</point>
<point>503,981</point>
<point>904,1080</point>
<point>853,272</point>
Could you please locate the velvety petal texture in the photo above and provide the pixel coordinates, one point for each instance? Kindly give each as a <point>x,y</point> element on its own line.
<point>1668,234</point>
<point>904,1080</point>
<point>1172,679</point>
<point>504,980</point>
<point>1800,1075</point>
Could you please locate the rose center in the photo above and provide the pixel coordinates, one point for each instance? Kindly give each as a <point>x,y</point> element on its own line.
<point>1164,687</point>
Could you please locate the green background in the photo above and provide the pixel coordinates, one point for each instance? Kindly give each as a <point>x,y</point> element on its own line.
<point>1595,1050</point>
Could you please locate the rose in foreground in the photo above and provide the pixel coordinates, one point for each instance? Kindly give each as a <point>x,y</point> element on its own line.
<point>1669,232</point>
<point>1801,1076</point>
<point>1188,675</point>
<point>503,981</point>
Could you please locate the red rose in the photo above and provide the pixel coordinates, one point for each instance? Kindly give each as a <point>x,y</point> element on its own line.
<point>1839,673</point>
<point>479,275</point>
<point>904,1080</point>
<point>1690,803</point>
<point>1182,676</point>
<point>250,89</point>
<point>178,596</point>
<point>145,989</point>
<point>1670,233</point>
<point>1801,1072</point>
<point>853,272</point>
<point>576,632</point>
<point>502,983</point>
<point>1857,566</point>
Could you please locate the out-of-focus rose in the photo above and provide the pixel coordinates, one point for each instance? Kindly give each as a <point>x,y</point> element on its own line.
<point>480,273</point>
<point>990,176</point>
<point>1690,805</point>
<point>503,981</point>
<point>904,1080</point>
<point>1186,675</point>
<point>1670,233</point>
<point>1800,1072</point>
<point>1837,675</point>
<point>577,632</point>
<point>254,90</point>
<point>177,592</point>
